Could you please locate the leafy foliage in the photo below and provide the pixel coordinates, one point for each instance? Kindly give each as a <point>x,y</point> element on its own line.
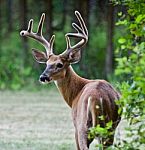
<point>131,64</point>
<point>130,70</point>
<point>101,132</point>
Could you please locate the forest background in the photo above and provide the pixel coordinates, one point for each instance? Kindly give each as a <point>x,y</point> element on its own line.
<point>17,67</point>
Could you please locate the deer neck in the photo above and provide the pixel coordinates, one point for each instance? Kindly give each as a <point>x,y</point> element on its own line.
<point>70,86</point>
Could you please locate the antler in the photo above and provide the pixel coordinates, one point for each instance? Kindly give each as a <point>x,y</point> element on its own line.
<point>82,33</point>
<point>38,36</point>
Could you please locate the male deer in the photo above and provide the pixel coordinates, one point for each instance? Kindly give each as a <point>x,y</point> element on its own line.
<point>81,94</point>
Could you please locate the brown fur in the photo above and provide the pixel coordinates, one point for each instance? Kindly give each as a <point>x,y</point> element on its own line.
<point>76,92</point>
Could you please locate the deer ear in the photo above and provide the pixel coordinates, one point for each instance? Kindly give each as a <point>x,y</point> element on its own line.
<point>74,57</point>
<point>40,57</point>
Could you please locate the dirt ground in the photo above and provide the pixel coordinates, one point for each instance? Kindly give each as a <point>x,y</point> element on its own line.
<point>35,121</point>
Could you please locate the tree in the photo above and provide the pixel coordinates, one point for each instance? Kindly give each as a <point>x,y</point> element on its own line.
<point>0,20</point>
<point>23,22</point>
<point>49,17</point>
<point>83,7</point>
<point>110,33</point>
<point>9,15</point>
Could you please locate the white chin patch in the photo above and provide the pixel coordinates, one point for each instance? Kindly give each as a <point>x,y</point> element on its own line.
<point>46,82</point>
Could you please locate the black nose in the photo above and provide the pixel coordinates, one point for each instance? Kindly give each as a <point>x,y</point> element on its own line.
<point>44,78</point>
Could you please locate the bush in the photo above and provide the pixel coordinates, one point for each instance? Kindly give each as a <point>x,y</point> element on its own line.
<point>131,72</point>
<point>131,64</point>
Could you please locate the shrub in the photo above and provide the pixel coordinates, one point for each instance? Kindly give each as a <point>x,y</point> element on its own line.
<point>131,72</point>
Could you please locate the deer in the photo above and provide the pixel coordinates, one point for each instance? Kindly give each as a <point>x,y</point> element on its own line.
<point>88,99</point>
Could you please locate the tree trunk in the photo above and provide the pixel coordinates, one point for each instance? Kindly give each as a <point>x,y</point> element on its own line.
<point>48,10</point>
<point>1,27</point>
<point>23,24</point>
<point>9,16</point>
<point>0,22</point>
<point>110,31</point>
<point>64,14</point>
<point>83,7</point>
<point>102,5</point>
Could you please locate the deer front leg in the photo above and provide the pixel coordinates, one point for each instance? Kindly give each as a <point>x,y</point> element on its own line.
<point>77,142</point>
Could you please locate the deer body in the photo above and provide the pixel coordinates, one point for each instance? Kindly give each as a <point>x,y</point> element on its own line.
<point>83,96</point>
<point>88,99</point>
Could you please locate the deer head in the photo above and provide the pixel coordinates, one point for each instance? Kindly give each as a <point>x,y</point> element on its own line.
<point>56,65</point>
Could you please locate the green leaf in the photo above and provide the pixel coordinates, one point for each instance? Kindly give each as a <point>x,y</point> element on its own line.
<point>139,18</point>
<point>123,46</point>
<point>120,14</point>
<point>109,124</point>
<point>122,40</point>
<point>122,22</point>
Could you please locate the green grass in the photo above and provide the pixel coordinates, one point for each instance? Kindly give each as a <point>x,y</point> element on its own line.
<point>35,121</point>
<point>39,121</point>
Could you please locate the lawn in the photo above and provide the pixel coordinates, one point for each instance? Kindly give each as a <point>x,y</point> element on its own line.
<point>35,121</point>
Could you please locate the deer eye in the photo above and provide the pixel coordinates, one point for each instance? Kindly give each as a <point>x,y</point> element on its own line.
<point>59,65</point>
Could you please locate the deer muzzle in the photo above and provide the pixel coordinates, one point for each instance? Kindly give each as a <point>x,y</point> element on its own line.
<point>44,78</point>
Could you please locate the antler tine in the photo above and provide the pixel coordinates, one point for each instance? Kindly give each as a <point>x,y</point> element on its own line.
<point>51,44</point>
<point>30,26</point>
<point>38,36</point>
<point>81,21</point>
<point>77,27</point>
<point>82,34</point>
<point>81,43</point>
<point>68,42</point>
<point>40,26</point>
